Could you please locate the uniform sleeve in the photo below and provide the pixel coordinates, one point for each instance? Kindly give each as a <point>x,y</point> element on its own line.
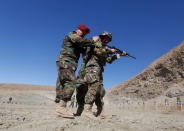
<point>83,50</point>
<point>81,42</point>
<point>110,59</point>
<point>108,49</point>
<point>87,54</point>
<point>88,51</point>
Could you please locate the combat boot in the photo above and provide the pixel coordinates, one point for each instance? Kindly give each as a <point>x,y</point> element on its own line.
<point>101,113</point>
<point>62,111</point>
<point>79,110</point>
<point>88,111</point>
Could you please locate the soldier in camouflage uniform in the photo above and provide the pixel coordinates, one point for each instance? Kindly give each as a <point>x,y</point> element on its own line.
<point>91,71</point>
<point>67,63</point>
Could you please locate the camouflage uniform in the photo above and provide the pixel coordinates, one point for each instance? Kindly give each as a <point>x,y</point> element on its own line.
<point>82,87</point>
<point>92,69</point>
<point>67,63</point>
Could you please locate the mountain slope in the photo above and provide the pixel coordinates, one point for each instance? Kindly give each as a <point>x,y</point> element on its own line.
<point>165,73</point>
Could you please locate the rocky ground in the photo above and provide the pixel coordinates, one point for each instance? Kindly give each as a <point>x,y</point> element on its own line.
<point>32,110</point>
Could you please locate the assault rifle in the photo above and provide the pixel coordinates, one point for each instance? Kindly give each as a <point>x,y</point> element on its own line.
<point>118,51</point>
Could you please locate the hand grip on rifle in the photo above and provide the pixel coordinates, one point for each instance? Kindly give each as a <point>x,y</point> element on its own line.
<point>122,52</point>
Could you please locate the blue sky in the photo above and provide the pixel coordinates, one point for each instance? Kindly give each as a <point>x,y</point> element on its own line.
<point>32,31</point>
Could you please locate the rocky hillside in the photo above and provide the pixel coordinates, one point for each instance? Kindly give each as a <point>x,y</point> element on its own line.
<point>165,76</point>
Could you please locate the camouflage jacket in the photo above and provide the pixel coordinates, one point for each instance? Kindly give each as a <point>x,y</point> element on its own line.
<point>99,55</point>
<point>71,49</point>
<point>94,60</point>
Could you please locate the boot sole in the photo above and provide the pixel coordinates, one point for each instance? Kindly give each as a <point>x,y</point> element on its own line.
<point>64,116</point>
<point>92,118</point>
<point>103,117</point>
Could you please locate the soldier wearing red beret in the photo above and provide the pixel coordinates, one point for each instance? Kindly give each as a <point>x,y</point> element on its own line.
<point>84,29</point>
<point>67,63</point>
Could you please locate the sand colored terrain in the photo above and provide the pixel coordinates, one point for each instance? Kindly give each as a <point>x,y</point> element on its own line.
<point>32,110</point>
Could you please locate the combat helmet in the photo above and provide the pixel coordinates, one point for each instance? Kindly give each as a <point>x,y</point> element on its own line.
<point>106,33</point>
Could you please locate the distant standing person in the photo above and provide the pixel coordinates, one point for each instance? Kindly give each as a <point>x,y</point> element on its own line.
<point>67,63</point>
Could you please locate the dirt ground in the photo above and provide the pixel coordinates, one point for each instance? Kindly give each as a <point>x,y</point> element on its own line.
<point>33,110</point>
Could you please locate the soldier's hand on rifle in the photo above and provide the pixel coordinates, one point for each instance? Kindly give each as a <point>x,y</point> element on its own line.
<point>124,53</point>
<point>95,38</point>
<point>113,50</point>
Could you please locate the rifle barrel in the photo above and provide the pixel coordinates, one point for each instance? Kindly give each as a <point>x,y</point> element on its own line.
<point>132,56</point>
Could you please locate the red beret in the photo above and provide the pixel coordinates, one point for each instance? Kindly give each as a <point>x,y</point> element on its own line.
<point>84,28</point>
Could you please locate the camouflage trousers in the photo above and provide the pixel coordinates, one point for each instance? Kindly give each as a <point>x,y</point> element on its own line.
<point>65,84</point>
<point>81,88</point>
<point>93,91</point>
